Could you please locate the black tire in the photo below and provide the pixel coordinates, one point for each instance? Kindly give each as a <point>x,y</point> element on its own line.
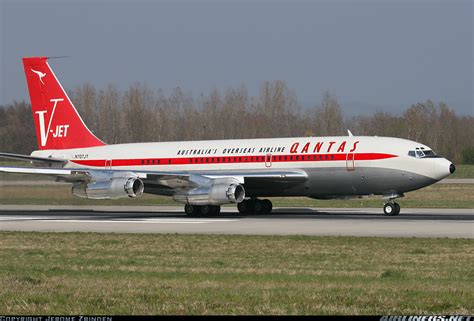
<point>207,210</point>
<point>397,209</point>
<point>217,209</point>
<point>267,206</point>
<point>389,209</point>
<point>245,207</point>
<point>258,206</point>
<point>192,210</point>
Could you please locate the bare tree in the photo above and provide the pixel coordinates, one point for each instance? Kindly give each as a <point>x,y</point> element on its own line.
<point>141,114</point>
<point>328,118</point>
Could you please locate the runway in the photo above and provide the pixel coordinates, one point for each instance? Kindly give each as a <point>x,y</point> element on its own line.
<point>452,223</point>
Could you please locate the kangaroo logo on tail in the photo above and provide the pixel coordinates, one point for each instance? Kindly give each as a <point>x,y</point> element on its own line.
<point>40,75</point>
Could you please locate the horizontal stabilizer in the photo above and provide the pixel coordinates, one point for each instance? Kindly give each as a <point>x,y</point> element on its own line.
<point>61,174</point>
<point>33,158</point>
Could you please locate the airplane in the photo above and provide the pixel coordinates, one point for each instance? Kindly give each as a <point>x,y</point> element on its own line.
<point>203,175</point>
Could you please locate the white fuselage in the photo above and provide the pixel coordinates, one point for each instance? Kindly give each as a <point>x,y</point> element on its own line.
<point>368,164</point>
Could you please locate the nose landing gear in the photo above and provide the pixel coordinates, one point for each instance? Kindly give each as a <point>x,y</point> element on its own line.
<point>391,209</point>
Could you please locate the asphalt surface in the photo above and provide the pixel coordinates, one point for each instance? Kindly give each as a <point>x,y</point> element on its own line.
<point>452,223</point>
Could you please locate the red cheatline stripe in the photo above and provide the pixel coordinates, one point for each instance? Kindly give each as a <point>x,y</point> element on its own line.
<point>232,159</point>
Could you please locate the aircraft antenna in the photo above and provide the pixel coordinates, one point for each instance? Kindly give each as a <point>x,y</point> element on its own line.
<point>58,57</point>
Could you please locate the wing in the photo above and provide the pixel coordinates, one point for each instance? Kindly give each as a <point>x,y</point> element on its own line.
<point>160,182</point>
<point>170,180</point>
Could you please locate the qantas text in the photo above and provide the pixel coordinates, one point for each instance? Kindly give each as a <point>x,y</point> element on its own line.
<point>322,147</point>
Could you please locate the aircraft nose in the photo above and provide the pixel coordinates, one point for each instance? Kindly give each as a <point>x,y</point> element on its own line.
<point>443,168</point>
<point>452,168</point>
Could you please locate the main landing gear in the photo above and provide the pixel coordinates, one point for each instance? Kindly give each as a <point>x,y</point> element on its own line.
<point>250,206</point>
<point>202,210</point>
<point>391,209</point>
<point>255,206</point>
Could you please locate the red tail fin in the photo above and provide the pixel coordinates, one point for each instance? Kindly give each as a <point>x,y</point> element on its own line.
<point>58,124</point>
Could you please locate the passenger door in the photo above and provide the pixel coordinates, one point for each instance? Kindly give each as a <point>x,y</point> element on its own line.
<point>350,161</point>
<point>268,160</point>
<point>108,164</point>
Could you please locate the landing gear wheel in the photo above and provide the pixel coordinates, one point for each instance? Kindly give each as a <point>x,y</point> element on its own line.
<point>210,210</point>
<point>388,209</point>
<point>397,209</point>
<point>206,210</point>
<point>245,207</point>
<point>267,206</point>
<point>257,206</point>
<point>192,210</point>
<point>391,209</point>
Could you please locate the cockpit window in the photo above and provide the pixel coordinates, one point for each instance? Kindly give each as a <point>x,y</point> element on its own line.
<point>430,154</point>
<point>422,153</point>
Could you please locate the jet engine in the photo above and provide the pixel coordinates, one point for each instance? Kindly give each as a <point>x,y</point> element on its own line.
<point>216,194</point>
<point>113,188</point>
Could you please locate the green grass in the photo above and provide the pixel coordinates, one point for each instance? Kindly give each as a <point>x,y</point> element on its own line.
<point>437,196</point>
<point>89,273</point>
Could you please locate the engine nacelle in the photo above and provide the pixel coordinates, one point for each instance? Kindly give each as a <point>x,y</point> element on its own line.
<point>114,188</point>
<point>212,195</point>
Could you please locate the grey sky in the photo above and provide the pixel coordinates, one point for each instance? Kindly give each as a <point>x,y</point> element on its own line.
<point>371,54</point>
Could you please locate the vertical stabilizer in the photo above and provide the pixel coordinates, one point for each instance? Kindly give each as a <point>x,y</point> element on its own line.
<point>58,124</point>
